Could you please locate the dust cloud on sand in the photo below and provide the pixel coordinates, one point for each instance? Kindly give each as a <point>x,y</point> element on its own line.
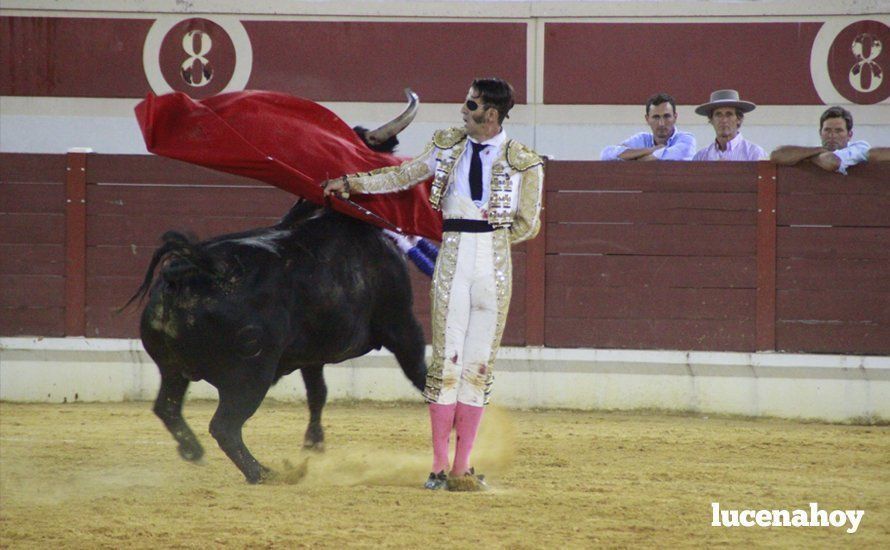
<point>358,464</point>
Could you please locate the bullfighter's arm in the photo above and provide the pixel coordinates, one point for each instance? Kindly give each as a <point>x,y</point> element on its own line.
<point>394,178</point>
<point>527,221</point>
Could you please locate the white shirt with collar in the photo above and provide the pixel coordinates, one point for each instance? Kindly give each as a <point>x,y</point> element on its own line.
<point>461,174</point>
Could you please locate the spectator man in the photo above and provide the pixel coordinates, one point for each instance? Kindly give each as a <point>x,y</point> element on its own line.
<point>837,152</point>
<point>726,112</point>
<point>666,142</point>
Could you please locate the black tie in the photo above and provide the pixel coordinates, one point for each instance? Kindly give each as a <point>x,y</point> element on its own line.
<point>476,172</point>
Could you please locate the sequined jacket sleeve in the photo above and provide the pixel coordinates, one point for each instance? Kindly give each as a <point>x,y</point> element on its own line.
<point>395,178</point>
<point>527,220</point>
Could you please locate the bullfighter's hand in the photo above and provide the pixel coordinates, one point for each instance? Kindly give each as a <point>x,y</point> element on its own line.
<point>338,186</point>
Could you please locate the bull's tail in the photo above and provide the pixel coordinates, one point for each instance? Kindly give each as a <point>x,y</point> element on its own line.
<point>175,244</point>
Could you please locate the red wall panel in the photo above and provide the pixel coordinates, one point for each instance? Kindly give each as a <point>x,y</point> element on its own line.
<point>625,63</point>
<point>72,57</point>
<point>360,61</point>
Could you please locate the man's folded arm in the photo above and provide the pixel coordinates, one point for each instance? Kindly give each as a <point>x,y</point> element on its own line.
<point>792,154</point>
<point>682,149</point>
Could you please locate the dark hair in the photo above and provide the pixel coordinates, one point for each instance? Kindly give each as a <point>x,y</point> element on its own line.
<point>836,112</point>
<point>660,98</point>
<point>496,93</point>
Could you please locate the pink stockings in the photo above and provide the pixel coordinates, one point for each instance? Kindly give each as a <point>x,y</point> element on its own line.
<point>465,419</point>
<point>441,421</point>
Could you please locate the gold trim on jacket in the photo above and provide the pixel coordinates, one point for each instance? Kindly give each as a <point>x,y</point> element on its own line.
<point>443,153</point>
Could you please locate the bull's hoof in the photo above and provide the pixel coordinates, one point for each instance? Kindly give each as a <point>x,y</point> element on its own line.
<point>313,439</point>
<point>263,475</point>
<point>192,453</point>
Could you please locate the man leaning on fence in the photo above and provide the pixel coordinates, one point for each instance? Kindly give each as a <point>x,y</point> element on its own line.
<point>666,142</point>
<point>837,152</point>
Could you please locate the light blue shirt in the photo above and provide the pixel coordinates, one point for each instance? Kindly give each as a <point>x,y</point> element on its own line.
<point>680,146</point>
<point>854,153</point>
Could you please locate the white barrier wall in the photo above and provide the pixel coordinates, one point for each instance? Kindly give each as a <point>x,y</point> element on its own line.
<point>824,387</point>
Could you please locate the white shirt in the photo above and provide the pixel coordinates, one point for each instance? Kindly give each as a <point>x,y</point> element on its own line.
<point>461,172</point>
<point>854,153</point>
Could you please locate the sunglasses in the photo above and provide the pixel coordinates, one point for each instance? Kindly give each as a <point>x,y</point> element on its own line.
<point>472,105</point>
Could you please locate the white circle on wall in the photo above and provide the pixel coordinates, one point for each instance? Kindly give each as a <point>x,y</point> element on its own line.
<point>819,57</point>
<point>154,40</point>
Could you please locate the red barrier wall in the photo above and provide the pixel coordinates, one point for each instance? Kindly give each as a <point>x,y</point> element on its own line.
<point>32,252</point>
<point>833,260</point>
<point>651,258</point>
<point>683,256</point>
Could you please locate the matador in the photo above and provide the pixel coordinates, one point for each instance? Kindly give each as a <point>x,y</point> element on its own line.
<point>488,188</point>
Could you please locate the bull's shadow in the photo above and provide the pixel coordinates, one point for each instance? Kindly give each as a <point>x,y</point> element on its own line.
<point>240,311</point>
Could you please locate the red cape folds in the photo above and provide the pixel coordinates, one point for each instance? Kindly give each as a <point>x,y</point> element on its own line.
<point>291,143</point>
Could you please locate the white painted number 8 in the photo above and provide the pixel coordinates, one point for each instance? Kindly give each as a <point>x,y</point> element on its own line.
<point>866,75</point>
<point>196,69</point>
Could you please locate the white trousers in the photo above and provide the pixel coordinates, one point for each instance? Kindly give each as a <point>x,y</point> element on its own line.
<point>471,334</point>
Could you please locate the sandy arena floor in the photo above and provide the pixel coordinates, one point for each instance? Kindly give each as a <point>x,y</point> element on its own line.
<point>108,476</point>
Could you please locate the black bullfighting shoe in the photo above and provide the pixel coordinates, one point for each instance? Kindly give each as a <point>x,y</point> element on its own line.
<point>436,481</point>
<point>470,481</point>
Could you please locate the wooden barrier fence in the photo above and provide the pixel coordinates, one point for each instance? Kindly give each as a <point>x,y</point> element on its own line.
<point>689,256</point>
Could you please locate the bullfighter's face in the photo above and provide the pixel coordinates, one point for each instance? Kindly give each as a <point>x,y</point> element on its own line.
<point>476,119</point>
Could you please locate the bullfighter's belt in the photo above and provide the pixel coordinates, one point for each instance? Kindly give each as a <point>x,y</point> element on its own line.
<point>467,226</point>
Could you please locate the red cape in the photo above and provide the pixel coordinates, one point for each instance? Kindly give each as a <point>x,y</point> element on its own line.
<point>289,142</point>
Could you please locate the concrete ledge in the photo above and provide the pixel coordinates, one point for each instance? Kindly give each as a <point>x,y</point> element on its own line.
<point>825,387</point>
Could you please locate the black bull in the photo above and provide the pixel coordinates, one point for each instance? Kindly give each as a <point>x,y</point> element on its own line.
<point>240,311</point>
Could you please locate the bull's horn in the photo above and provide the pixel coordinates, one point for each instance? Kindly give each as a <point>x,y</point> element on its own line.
<point>396,125</point>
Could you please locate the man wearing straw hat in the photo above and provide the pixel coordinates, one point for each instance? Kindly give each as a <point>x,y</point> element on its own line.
<point>725,112</point>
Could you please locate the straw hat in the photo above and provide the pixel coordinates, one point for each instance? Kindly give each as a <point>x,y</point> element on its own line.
<point>725,98</point>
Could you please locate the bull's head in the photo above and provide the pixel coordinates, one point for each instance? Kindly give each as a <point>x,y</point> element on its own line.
<point>384,139</point>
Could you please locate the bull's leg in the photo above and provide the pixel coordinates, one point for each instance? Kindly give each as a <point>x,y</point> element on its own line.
<point>316,395</point>
<point>168,407</point>
<point>405,339</point>
<point>237,403</point>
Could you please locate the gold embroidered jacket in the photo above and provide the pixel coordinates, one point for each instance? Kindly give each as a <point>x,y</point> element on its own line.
<point>517,177</point>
